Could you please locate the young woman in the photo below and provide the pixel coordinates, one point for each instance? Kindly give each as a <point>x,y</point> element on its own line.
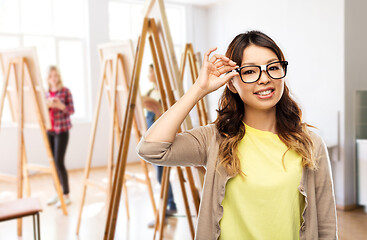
<point>60,105</point>
<point>267,174</point>
<point>152,103</point>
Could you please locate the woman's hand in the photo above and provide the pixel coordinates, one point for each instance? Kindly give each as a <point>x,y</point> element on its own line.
<point>49,102</point>
<point>209,78</point>
<point>56,103</point>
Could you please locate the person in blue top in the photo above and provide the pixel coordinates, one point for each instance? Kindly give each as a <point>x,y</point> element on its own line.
<point>152,104</point>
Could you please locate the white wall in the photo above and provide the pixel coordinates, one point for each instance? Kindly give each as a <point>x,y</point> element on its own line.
<point>355,79</point>
<point>197,27</point>
<point>304,42</point>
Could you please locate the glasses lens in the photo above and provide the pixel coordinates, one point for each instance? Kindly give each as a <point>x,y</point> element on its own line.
<point>250,74</point>
<point>277,70</point>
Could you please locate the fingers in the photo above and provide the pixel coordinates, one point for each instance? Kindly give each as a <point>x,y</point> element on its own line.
<point>218,59</point>
<point>233,64</point>
<point>215,57</point>
<point>221,63</point>
<point>228,76</point>
<point>207,54</point>
<point>226,69</point>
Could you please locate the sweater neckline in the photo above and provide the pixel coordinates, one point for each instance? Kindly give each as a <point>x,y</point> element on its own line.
<point>258,132</point>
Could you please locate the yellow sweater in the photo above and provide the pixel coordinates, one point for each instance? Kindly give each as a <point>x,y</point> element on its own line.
<point>264,204</point>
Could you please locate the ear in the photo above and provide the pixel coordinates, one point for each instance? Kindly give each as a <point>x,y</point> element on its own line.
<point>230,86</point>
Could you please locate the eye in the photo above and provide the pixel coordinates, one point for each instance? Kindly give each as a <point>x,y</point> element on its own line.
<point>274,68</point>
<point>248,72</point>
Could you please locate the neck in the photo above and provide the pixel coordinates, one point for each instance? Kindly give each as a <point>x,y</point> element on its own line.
<point>264,120</point>
<point>54,88</point>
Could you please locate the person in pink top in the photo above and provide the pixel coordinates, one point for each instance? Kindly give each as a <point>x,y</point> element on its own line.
<point>60,106</point>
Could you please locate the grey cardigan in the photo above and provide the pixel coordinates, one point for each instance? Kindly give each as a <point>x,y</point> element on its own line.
<point>199,147</point>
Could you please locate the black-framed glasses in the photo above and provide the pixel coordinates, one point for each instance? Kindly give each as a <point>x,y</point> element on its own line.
<point>252,73</point>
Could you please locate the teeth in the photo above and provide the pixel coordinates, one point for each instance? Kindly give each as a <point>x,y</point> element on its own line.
<point>264,92</point>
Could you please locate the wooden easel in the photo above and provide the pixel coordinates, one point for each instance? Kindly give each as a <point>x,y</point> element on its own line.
<point>114,82</point>
<point>161,69</point>
<point>189,55</point>
<point>24,82</point>
<point>164,49</point>
<point>159,227</point>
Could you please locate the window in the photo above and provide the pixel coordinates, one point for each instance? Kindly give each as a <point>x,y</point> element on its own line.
<point>9,16</point>
<point>59,41</point>
<point>73,72</point>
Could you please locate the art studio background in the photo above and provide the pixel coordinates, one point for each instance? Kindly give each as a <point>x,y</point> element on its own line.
<point>324,42</point>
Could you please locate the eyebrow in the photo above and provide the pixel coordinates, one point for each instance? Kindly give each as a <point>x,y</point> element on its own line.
<point>271,60</point>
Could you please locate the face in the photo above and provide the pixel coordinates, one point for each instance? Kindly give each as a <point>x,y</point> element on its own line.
<point>266,92</point>
<point>53,78</point>
<point>151,75</point>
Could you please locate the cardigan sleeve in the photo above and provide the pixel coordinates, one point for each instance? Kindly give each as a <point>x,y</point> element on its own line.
<point>325,198</point>
<point>189,148</point>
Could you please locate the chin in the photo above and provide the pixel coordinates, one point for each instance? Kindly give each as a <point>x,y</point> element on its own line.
<point>264,106</point>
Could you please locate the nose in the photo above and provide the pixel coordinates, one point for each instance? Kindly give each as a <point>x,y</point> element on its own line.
<point>264,78</point>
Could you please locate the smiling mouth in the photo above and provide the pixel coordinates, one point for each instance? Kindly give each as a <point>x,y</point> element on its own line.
<point>264,93</point>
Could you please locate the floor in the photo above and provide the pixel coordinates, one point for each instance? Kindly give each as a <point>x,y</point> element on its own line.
<point>55,226</point>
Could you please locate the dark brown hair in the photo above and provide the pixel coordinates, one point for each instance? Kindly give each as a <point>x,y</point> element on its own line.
<point>291,130</point>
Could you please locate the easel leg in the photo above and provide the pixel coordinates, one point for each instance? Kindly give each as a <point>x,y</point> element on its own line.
<point>161,62</point>
<point>45,139</point>
<point>110,160</point>
<point>20,186</point>
<point>161,213</point>
<point>158,74</point>
<point>91,146</point>
<point>25,172</point>
<point>109,173</point>
<point>54,172</point>
<point>186,202</point>
<point>124,144</point>
<point>3,92</point>
<point>113,90</point>
<point>115,125</point>
<point>149,184</point>
<point>126,200</point>
<point>20,139</point>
